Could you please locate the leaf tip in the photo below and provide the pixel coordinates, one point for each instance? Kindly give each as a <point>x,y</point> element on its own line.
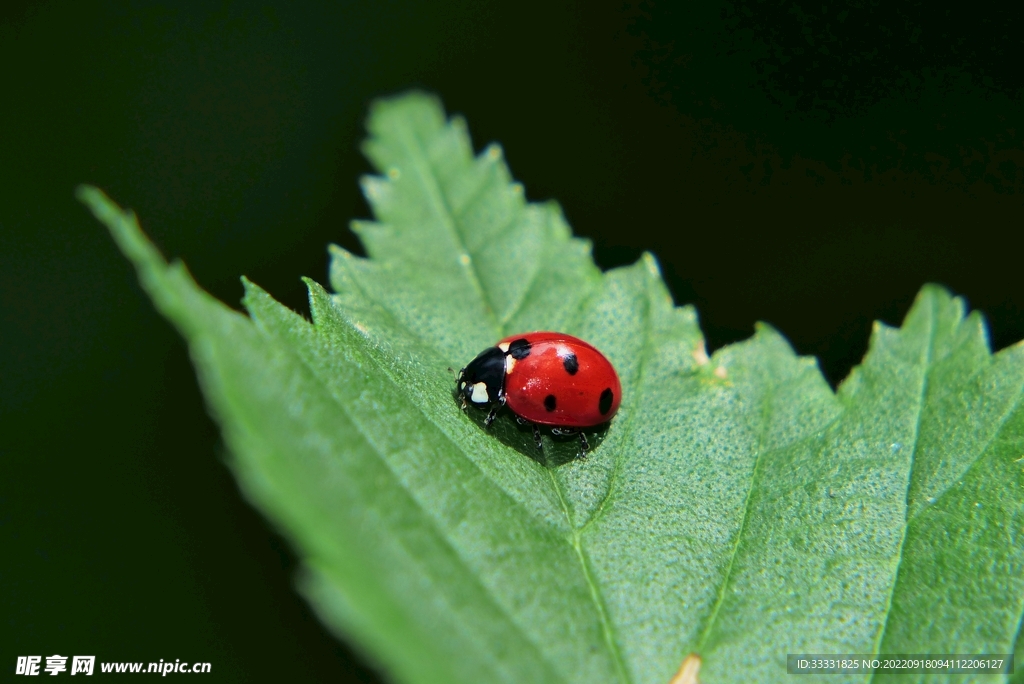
<point>411,105</point>
<point>700,354</point>
<point>102,207</point>
<point>314,287</point>
<point>124,228</point>
<point>494,152</point>
<point>249,287</point>
<point>651,264</point>
<point>319,299</point>
<point>939,297</point>
<point>935,290</point>
<point>253,295</point>
<point>87,194</point>
<point>414,98</point>
<point>338,252</point>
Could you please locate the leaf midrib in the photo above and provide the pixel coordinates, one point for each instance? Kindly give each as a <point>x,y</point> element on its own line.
<point>414,146</point>
<point>415,149</point>
<point>576,543</point>
<point>367,436</point>
<point>922,398</point>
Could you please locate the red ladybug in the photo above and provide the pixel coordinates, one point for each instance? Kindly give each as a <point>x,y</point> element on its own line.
<point>545,378</point>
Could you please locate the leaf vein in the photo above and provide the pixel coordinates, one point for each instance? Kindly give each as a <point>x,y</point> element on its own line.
<point>595,593</point>
<point>629,428</point>
<point>531,281</point>
<point>368,435</point>
<point>417,152</point>
<point>981,452</point>
<point>758,460</point>
<point>922,398</point>
<point>405,387</point>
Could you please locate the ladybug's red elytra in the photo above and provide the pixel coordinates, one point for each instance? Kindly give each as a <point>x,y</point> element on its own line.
<point>545,378</point>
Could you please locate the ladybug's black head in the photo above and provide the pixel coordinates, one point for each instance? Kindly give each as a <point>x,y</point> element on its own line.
<point>482,381</point>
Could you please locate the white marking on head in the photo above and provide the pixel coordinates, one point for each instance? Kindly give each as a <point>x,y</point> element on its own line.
<point>503,347</point>
<point>462,385</point>
<point>510,363</point>
<point>480,395</point>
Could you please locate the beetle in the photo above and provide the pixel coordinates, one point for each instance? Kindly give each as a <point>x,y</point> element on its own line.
<point>545,378</point>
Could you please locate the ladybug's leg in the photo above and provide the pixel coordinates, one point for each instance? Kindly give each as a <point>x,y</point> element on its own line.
<point>584,446</point>
<point>494,411</point>
<point>536,437</point>
<point>521,420</point>
<point>459,385</point>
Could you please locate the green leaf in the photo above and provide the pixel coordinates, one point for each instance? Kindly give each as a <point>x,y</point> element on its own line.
<point>736,508</point>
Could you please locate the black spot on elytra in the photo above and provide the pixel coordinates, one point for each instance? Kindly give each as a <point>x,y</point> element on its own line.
<point>571,364</point>
<point>549,402</point>
<point>605,403</point>
<point>519,349</point>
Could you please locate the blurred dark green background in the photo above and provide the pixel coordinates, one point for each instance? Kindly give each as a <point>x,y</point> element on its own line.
<point>802,163</point>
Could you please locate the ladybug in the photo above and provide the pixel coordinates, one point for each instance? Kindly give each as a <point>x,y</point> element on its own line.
<point>545,378</point>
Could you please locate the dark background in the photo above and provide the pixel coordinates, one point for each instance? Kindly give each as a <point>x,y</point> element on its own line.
<point>807,164</point>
